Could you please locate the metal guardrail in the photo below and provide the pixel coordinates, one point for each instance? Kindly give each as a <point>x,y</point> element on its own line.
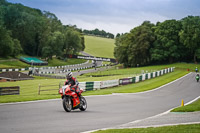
<point>96,85</point>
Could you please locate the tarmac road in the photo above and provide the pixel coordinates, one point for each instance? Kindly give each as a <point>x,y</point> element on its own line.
<point>102,112</point>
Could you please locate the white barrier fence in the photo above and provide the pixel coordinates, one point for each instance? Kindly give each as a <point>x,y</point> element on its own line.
<point>96,85</point>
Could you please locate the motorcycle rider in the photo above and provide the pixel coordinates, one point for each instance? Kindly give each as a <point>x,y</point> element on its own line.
<point>73,82</point>
<point>197,77</point>
<point>196,69</point>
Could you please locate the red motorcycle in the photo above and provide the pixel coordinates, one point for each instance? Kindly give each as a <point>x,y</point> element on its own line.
<point>71,100</point>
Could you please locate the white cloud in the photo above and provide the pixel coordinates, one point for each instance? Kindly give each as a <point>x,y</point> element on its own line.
<point>113,24</point>
<point>115,16</point>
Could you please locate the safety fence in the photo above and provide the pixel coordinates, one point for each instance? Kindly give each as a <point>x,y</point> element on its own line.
<point>44,68</point>
<point>97,85</point>
<point>50,71</point>
<point>14,69</point>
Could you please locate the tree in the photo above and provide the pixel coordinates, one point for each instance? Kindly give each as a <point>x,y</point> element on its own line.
<point>6,42</point>
<point>17,49</point>
<point>133,48</point>
<point>141,39</point>
<point>73,42</point>
<point>98,32</point>
<point>36,33</point>
<point>118,35</point>
<point>190,35</point>
<point>120,51</point>
<point>167,46</point>
<point>54,45</point>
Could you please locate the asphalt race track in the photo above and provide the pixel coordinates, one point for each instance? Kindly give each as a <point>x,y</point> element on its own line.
<point>102,112</point>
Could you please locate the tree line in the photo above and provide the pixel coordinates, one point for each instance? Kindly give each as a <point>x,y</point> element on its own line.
<point>35,33</point>
<point>166,42</point>
<point>97,32</point>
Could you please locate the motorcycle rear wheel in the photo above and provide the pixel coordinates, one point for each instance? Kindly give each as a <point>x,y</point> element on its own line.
<point>67,104</point>
<point>83,103</point>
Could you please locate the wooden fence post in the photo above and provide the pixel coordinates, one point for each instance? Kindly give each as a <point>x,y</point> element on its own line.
<point>39,90</point>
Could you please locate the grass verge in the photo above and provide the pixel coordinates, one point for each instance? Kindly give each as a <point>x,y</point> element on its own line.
<point>195,106</point>
<point>193,128</point>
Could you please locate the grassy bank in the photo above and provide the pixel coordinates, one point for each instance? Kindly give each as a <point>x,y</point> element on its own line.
<point>12,64</point>
<point>99,47</point>
<point>57,62</point>
<point>193,128</point>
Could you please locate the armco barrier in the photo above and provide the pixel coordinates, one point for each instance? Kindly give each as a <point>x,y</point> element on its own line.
<point>125,81</point>
<point>82,85</point>
<point>89,86</point>
<point>143,77</point>
<point>133,79</point>
<point>149,75</point>
<point>96,85</point>
<point>30,68</point>
<point>109,83</point>
<point>137,79</point>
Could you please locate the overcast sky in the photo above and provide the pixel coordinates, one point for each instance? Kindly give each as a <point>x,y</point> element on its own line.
<point>115,16</point>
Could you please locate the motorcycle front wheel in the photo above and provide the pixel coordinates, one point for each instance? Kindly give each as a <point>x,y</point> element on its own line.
<point>67,104</point>
<point>83,103</point>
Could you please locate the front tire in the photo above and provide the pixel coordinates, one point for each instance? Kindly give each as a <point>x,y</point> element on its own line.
<point>67,104</point>
<point>83,103</point>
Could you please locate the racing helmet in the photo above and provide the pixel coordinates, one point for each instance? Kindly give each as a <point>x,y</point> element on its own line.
<point>69,75</point>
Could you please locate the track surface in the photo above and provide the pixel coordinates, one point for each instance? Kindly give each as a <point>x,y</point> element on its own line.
<point>102,111</point>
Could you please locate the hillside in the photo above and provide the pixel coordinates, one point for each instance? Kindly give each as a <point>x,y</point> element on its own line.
<point>99,47</point>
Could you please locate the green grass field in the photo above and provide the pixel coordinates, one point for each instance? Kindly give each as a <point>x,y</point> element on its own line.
<point>12,64</point>
<point>193,128</point>
<point>57,62</point>
<point>99,47</point>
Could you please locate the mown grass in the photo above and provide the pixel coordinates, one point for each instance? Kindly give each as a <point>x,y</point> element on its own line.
<point>193,128</point>
<point>195,106</point>
<point>12,64</point>
<point>57,62</point>
<point>99,47</point>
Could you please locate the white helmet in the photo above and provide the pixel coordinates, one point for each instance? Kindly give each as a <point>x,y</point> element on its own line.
<point>69,75</point>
